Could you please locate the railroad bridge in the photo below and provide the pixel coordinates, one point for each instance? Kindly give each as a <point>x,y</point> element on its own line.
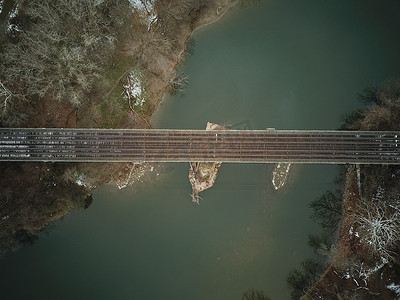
<point>164,145</point>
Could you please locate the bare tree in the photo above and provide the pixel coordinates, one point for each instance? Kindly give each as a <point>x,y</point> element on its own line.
<point>9,100</point>
<point>60,51</point>
<point>327,209</point>
<point>146,46</point>
<point>5,95</point>
<point>300,280</point>
<point>253,294</point>
<point>178,83</point>
<point>371,95</point>
<point>380,229</point>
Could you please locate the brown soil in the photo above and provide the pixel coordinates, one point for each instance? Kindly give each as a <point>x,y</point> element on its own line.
<point>344,278</point>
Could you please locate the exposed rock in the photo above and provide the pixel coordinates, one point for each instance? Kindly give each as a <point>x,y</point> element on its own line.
<point>280,175</point>
<point>202,175</point>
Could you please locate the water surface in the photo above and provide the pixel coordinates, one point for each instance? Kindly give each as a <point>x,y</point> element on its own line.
<point>283,64</point>
<point>6,8</point>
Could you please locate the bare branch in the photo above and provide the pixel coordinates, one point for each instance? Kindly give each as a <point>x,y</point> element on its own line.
<point>380,229</point>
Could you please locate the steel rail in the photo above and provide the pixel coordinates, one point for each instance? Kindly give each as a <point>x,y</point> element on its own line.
<point>191,148</point>
<point>220,145</point>
<point>180,145</point>
<point>244,141</point>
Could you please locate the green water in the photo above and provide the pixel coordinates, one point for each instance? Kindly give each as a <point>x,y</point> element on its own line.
<point>6,8</point>
<point>283,64</point>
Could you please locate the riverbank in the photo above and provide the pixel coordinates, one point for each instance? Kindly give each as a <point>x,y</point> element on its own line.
<point>285,251</point>
<point>45,192</point>
<point>364,262</point>
<point>354,270</point>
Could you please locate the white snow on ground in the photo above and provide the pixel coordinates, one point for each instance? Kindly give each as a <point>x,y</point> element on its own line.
<point>137,5</point>
<point>351,231</point>
<point>359,274</point>
<point>1,5</point>
<point>80,181</point>
<point>151,20</point>
<point>14,12</point>
<point>134,89</point>
<point>12,28</point>
<point>367,273</point>
<point>395,288</point>
<point>145,9</point>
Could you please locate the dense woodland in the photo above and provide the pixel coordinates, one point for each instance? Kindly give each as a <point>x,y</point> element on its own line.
<point>56,49</point>
<point>61,50</point>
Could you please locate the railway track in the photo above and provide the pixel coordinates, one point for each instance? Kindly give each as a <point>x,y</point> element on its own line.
<point>246,146</point>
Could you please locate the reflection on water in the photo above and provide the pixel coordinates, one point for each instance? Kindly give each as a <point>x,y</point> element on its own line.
<point>155,243</point>
<point>283,64</point>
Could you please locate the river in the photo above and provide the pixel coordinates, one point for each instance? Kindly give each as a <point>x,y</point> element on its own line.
<point>282,64</point>
<point>5,8</point>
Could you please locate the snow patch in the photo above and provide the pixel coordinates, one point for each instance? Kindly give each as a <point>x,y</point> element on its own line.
<point>352,231</point>
<point>14,12</point>
<point>395,288</point>
<point>1,5</point>
<point>378,266</point>
<point>359,274</point>
<point>137,5</point>
<point>134,90</point>
<point>365,274</point>
<point>145,9</point>
<point>81,181</point>
<point>11,27</point>
<point>347,275</point>
<point>153,18</point>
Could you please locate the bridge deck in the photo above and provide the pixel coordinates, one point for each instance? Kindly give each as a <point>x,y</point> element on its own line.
<point>255,146</point>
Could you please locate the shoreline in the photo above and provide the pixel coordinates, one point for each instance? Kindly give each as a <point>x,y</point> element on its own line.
<point>231,6</point>
<point>46,192</point>
<point>207,17</point>
<point>178,63</point>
